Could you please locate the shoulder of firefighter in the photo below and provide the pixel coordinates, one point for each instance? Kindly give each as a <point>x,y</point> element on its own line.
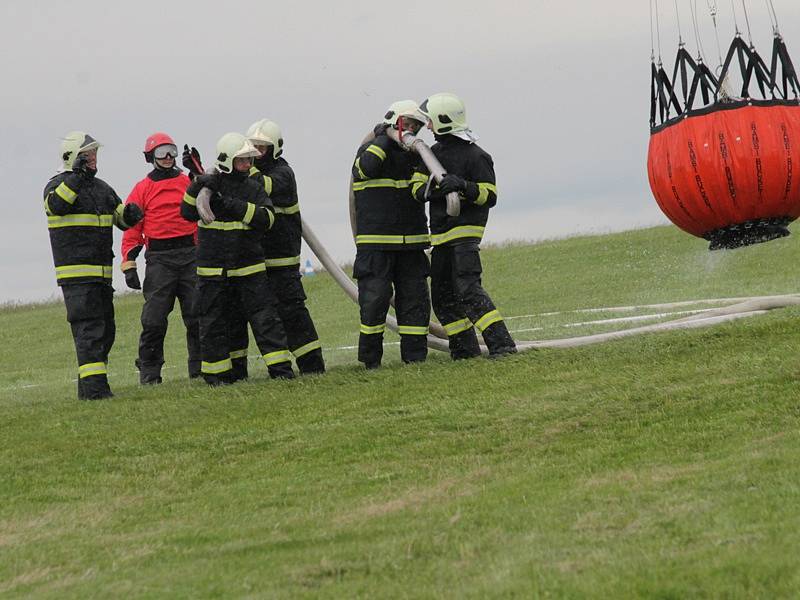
<point>475,167</point>
<point>80,217</point>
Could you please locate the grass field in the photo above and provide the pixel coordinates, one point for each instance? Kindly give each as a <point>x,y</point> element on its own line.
<point>663,466</point>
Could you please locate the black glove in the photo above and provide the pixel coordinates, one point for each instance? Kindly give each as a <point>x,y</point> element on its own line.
<point>132,214</point>
<point>209,181</point>
<point>81,167</point>
<point>191,160</point>
<point>380,129</point>
<point>216,204</point>
<point>132,279</point>
<point>452,183</point>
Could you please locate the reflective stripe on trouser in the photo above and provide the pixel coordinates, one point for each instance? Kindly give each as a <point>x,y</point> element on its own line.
<point>251,297</point>
<point>303,342</point>
<point>378,272</point>
<point>170,274</point>
<point>459,301</point>
<point>90,312</point>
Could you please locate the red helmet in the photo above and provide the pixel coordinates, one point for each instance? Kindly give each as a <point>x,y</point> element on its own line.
<point>155,140</point>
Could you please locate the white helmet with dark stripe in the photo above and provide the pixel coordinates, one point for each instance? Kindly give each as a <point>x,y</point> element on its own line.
<point>73,144</point>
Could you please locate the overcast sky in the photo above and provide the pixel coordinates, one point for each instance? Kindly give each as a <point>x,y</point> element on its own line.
<point>557,92</point>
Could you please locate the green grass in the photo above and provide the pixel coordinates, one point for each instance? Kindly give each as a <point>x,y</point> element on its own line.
<point>663,466</point>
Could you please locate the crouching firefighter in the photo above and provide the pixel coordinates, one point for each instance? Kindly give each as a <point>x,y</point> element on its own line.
<point>81,210</point>
<point>170,257</point>
<point>230,263</point>
<point>391,237</point>
<point>281,254</point>
<point>459,301</point>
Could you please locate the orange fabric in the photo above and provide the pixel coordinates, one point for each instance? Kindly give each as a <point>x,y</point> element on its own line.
<point>727,167</point>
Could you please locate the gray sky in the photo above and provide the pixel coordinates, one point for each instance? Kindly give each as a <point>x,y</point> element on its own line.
<point>557,92</point>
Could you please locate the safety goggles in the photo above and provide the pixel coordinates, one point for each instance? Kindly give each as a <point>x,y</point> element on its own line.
<point>166,151</point>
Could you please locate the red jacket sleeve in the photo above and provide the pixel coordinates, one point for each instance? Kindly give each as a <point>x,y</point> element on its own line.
<point>133,238</point>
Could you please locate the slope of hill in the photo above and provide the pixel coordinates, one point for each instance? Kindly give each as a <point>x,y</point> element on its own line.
<point>664,465</point>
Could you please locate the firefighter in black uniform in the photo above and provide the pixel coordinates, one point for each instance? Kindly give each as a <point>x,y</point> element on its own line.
<point>282,253</point>
<point>459,301</point>
<point>81,210</point>
<point>230,263</point>
<point>391,237</point>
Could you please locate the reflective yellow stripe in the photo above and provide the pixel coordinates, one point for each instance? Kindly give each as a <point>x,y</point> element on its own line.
<point>358,168</point>
<point>238,353</point>
<point>392,239</point>
<point>457,327</point>
<point>288,261</point>
<point>215,368</point>
<point>381,183</point>
<point>47,210</point>
<point>80,220</point>
<point>309,347</point>
<point>493,316</point>
<point>273,358</point>
<point>119,219</point>
<point>377,151</point>
<point>418,239</point>
<point>268,185</point>
<point>66,194</point>
<point>483,192</point>
<point>248,215</point>
<point>89,369</point>
<point>245,271</point>
<point>191,200</point>
<point>419,178</point>
<point>225,225</point>
<point>379,239</point>
<point>209,271</point>
<point>288,210</point>
<point>271,214</point>
<point>457,233</point>
<point>417,181</point>
<point>70,271</point>
<point>411,330</point>
<point>371,329</point>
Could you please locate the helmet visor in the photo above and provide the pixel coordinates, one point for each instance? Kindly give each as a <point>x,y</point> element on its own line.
<point>166,151</point>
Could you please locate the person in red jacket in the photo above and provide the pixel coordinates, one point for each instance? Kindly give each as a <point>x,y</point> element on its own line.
<point>171,271</point>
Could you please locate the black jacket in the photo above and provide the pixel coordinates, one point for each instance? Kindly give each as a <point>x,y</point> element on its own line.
<point>282,243</point>
<point>80,214</point>
<point>387,215</point>
<point>230,246</point>
<point>470,161</point>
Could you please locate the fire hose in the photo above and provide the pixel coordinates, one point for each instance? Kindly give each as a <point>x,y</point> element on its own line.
<point>437,339</point>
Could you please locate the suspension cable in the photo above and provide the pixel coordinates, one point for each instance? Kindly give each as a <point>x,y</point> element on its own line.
<point>712,8</point>
<point>773,18</point>
<point>658,34</point>
<point>700,50</point>
<point>747,20</point>
<point>735,20</point>
<point>652,42</point>
<point>678,19</point>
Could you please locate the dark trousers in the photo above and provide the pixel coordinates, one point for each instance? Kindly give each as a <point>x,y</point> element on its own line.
<point>251,295</point>
<point>377,272</point>
<point>90,312</point>
<point>287,286</point>
<point>170,274</point>
<point>460,302</point>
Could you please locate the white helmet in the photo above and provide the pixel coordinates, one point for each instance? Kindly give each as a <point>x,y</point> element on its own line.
<point>230,146</point>
<point>408,109</point>
<point>73,144</point>
<point>447,114</point>
<point>266,133</point>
